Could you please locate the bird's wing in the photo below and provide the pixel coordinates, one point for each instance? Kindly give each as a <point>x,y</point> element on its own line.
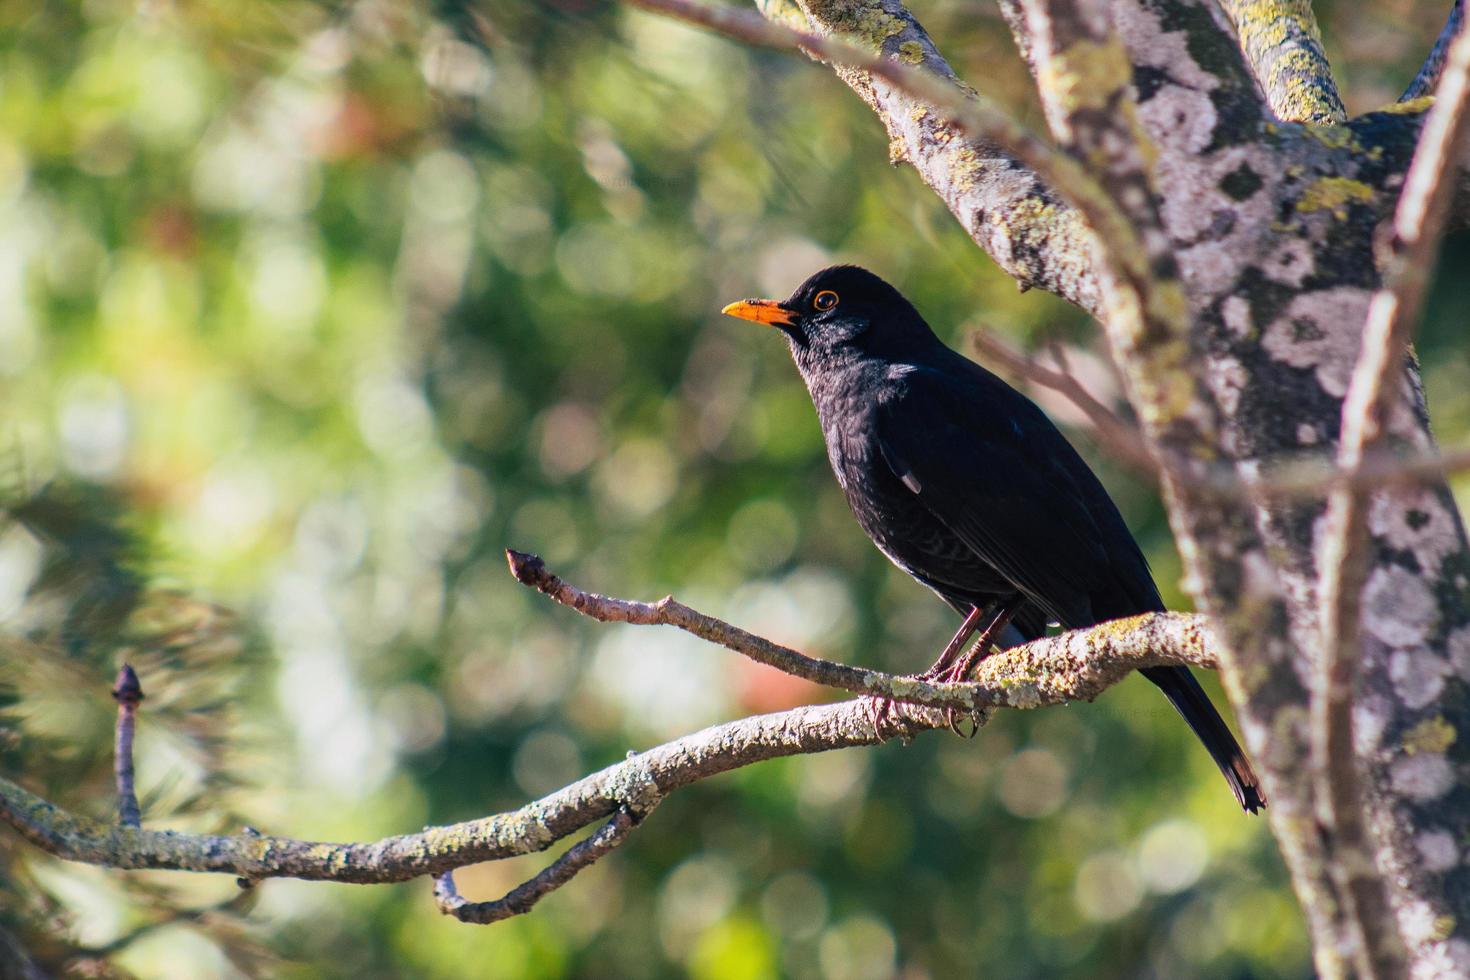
<point>999,482</point>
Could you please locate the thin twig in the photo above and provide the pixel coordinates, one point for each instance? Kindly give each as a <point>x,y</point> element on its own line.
<point>523,898</point>
<point>1309,477</point>
<point>1113,433</point>
<point>1131,645</point>
<point>965,110</point>
<point>1433,67</point>
<point>128,693</point>
<point>1418,224</point>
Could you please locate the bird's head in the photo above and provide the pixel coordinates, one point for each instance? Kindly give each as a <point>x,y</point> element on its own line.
<point>842,309</point>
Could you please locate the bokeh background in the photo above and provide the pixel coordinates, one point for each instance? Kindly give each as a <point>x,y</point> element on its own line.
<point>307,311</point>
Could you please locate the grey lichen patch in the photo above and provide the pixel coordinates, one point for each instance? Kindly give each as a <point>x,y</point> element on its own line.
<point>1150,44</point>
<point>1290,262</point>
<point>1023,693</point>
<point>1227,378</point>
<point>1450,958</point>
<point>1371,714</point>
<point>1458,647</point>
<point>633,785</point>
<point>1179,119</point>
<point>1215,235</point>
<point>1418,676</point>
<point>1415,520</point>
<point>1437,849</point>
<point>1422,923</point>
<point>1423,777</point>
<point>1398,607</point>
<point>1318,330</point>
<point>1235,312</point>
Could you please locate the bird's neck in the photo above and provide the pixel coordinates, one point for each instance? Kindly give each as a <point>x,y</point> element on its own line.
<point>843,384</point>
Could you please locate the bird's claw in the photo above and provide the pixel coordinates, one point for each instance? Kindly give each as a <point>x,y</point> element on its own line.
<point>888,719</point>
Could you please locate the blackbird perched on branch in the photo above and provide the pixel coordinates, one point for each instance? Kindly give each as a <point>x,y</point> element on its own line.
<point>968,487</point>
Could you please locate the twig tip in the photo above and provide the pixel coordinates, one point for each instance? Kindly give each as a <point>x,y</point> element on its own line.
<point>528,569</point>
<point>127,689</point>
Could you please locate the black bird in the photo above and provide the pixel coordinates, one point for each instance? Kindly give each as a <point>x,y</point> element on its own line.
<point>968,487</point>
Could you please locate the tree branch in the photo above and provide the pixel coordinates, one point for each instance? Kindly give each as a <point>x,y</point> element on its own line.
<point>1129,641</point>
<point>1417,227</point>
<point>1078,665</point>
<point>1283,45</point>
<point>520,900</point>
<point>1428,76</point>
<point>128,694</point>
<point>1000,181</point>
<point>1114,434</point>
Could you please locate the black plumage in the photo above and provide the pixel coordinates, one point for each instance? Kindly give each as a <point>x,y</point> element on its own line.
<point>966,485</point>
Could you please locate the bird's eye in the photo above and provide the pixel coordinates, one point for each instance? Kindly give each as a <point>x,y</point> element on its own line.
<point>825,300</point>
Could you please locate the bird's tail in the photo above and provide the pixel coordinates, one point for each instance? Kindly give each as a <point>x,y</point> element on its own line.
<point>1185,693</point>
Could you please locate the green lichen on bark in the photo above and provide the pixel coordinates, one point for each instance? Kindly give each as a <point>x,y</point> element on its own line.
<point>1284,47</point>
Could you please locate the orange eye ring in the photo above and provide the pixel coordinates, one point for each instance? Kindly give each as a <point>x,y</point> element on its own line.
<point>825,300</point>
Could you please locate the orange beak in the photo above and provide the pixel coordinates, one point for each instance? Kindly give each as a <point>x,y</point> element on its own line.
<point>766,311</point>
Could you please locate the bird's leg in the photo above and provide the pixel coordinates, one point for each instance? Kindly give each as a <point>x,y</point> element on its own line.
<point>956,645</point>
<point>960,671</point>
<point>1003,616</point>
<point>885,710</point>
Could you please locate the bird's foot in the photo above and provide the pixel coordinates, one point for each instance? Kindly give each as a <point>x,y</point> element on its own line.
<point>959,670</point>
<point>953,717</point>
<point>888,718</point>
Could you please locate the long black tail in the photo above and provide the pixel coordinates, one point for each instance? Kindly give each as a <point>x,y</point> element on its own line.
<point>1184,692</point>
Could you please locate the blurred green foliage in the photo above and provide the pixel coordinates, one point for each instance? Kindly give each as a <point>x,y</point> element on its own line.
<point>308,311</point>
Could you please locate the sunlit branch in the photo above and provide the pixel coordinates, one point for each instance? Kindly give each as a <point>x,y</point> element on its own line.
<point>1078,665</point>
<point>523,898</point>
<point>1372,394</point>
<point>1283,46</point>
<point>966,111</point>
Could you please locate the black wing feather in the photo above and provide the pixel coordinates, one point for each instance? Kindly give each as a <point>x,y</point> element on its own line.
<point>1007,496</point>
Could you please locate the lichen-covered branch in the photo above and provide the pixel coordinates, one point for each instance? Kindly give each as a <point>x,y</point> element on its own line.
<point>1086,656</point>
<point>1374,392</point>
<point>1428,75</point>
<point>1283,44</point>
<point>1078,665</point>
<point>1004,185</point>
<point>523,898</point>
